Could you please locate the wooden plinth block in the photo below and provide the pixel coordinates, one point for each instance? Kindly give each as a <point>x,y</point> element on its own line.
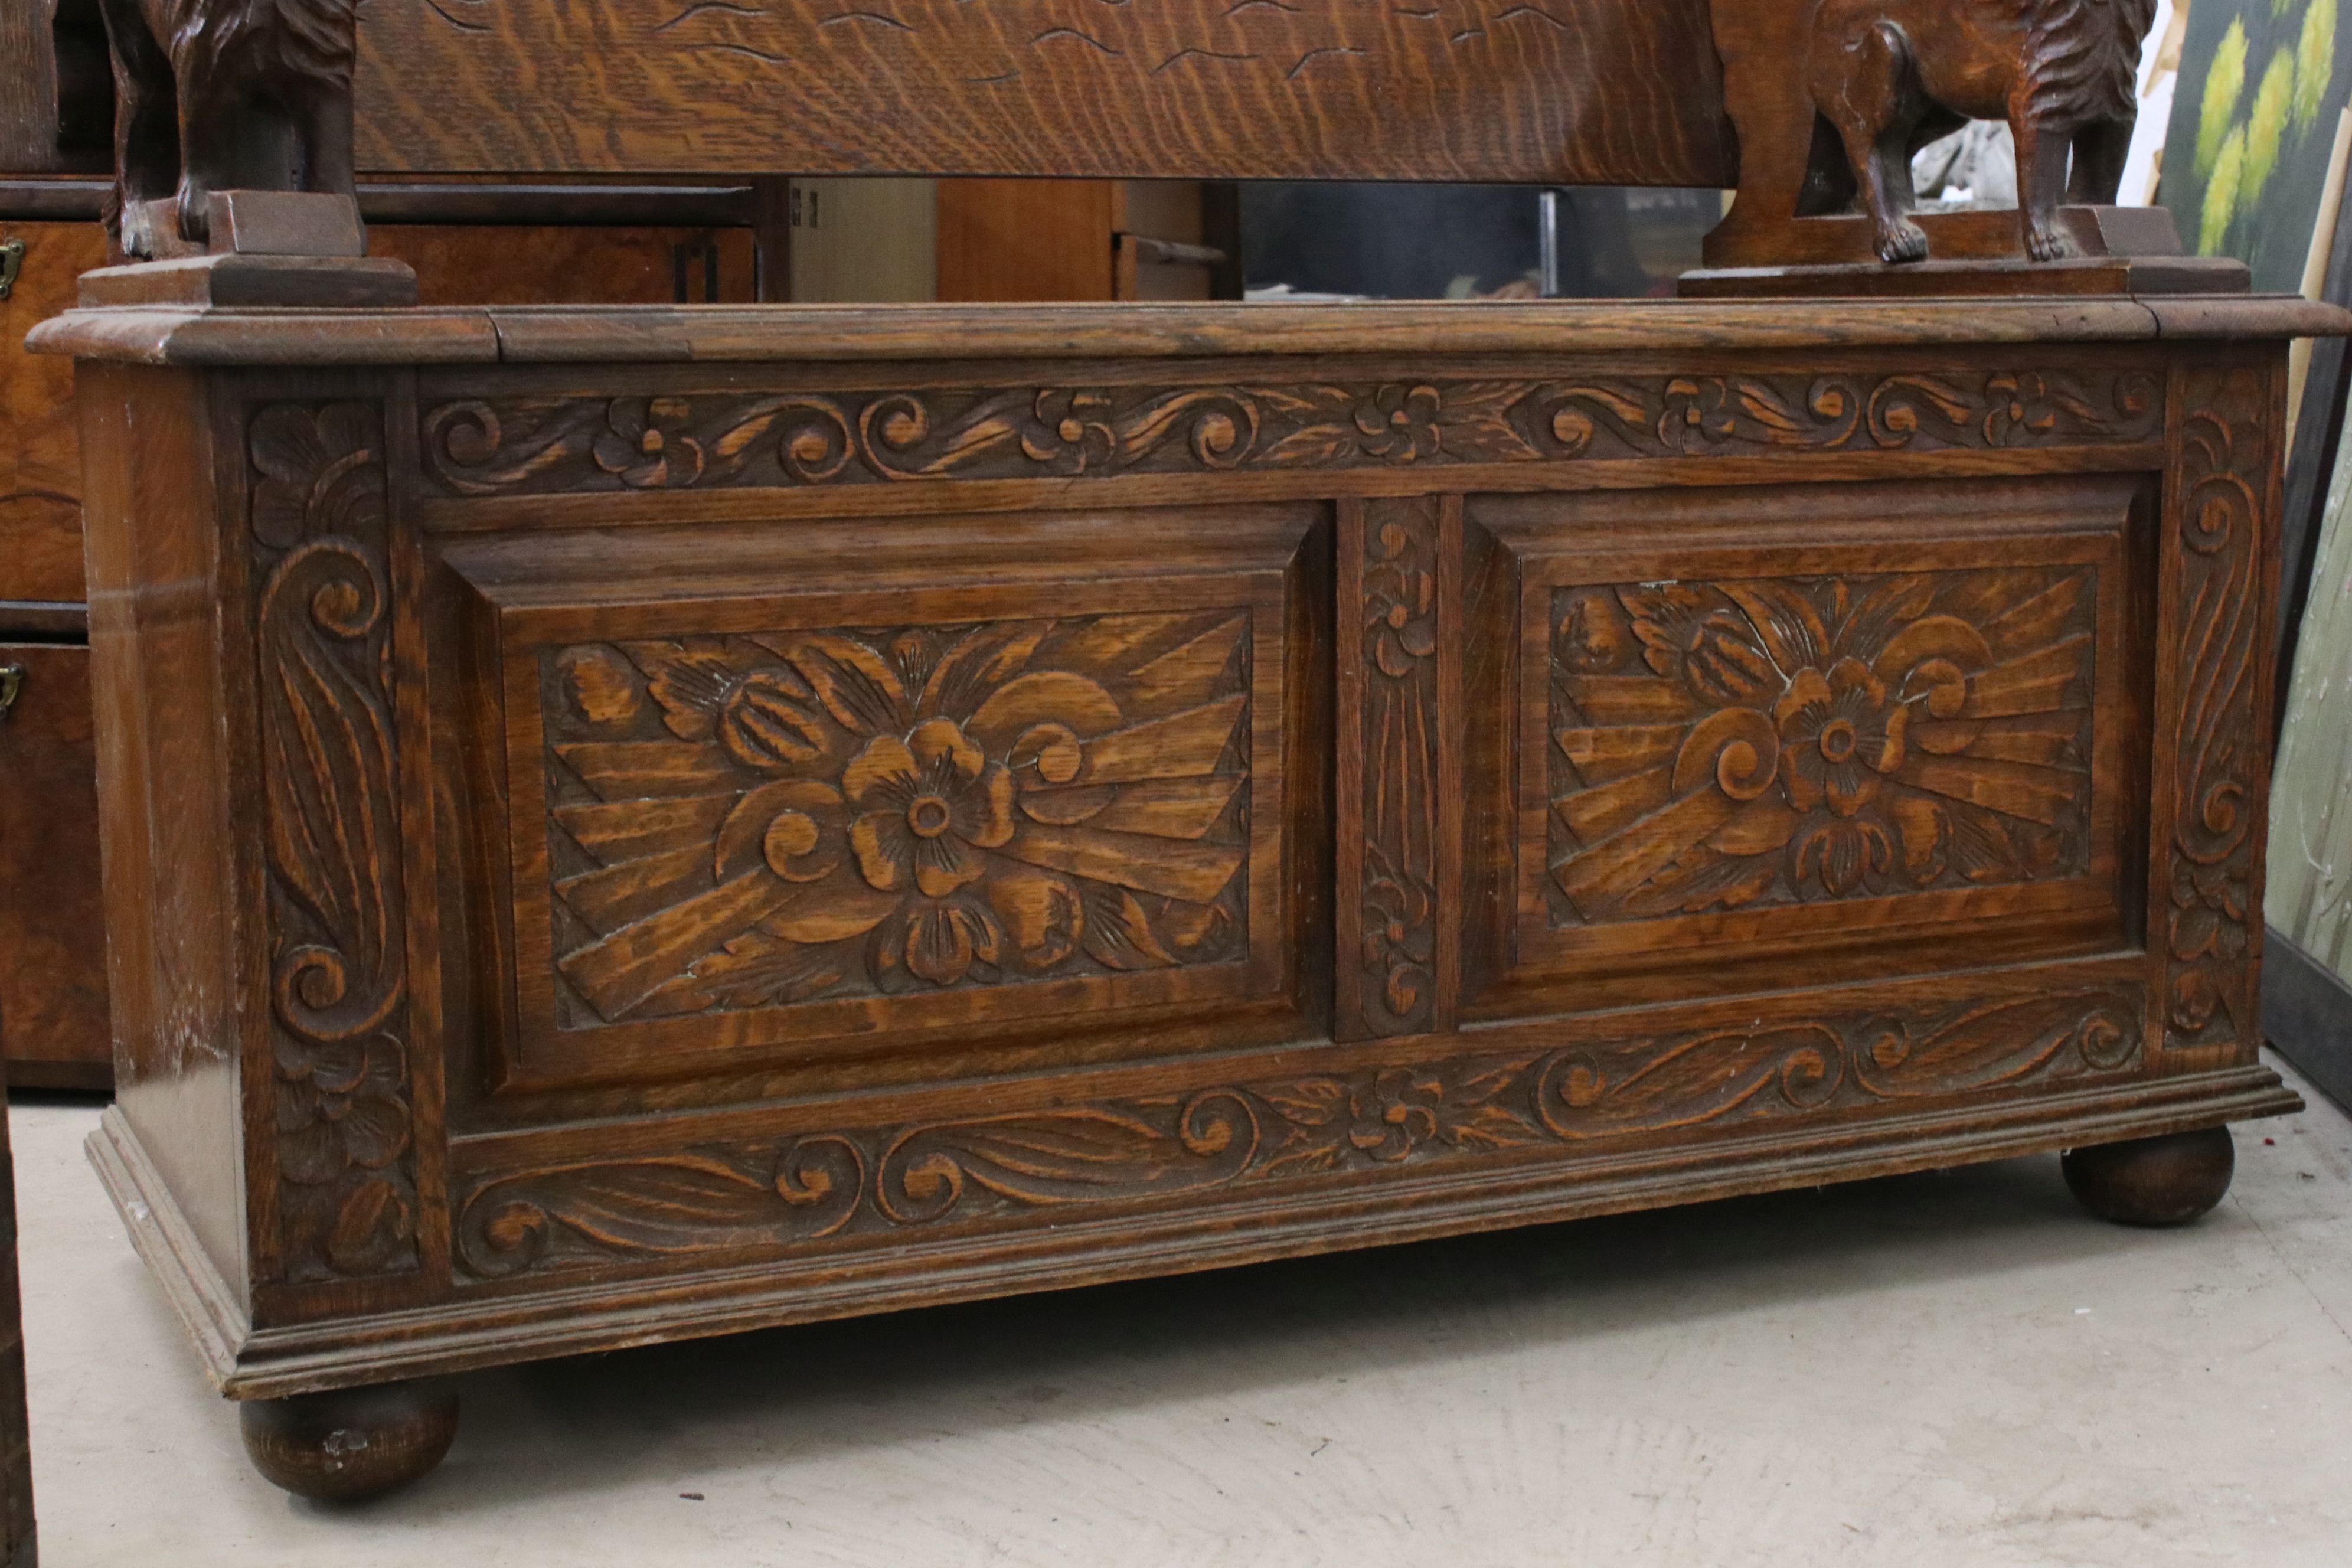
<point>332,282</point>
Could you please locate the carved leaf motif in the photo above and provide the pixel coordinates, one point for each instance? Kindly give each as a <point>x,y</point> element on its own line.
<point>1096,1161</point>
<point>346,1198</point>
<point>768,439</point>
<point>657,1206</point>
<point>2222,481</point>
<point>1075,1157</point>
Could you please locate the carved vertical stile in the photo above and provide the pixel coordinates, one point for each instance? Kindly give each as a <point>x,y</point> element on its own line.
<point>1399,771</point>
<point>342,1086</point>
<point>2212,765</point>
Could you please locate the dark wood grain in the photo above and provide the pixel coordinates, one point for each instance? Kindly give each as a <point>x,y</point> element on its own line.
<point>2169,1180</point>
<point>1578,90</point>
<point>40,466</point>
<point>351,1444</point>
<point>53,1015</point>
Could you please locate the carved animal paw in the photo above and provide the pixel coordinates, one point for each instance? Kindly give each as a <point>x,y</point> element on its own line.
<point>2047,242</point>
<point>1902,240</point>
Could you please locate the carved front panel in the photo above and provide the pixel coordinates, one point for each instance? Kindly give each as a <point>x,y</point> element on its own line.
<point>897,794</point>
<point>753,821</point>
<point>1726,739</point>
<point>1746,742</point>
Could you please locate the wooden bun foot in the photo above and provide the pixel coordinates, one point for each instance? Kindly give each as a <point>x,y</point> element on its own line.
<point>2153,1181</point>
<point>352,1443</point>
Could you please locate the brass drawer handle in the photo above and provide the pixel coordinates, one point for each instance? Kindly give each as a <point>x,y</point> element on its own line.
<point>12,681</point>
<point>12,261</point>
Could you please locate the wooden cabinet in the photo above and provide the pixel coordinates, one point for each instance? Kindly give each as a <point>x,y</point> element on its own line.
<point>53,1013</point>
<point>1086,240</point>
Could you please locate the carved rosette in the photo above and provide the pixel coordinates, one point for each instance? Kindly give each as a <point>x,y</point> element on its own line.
<point>1767,741</point>
<point>2209,879</point>
<point>346,1192</point>
<point>817,1190</point>
<point>1399,736</point>
<point>535,446</point>
<point>756,821</point>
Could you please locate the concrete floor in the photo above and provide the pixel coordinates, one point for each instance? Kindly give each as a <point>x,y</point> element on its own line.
<point>1956,1368</point>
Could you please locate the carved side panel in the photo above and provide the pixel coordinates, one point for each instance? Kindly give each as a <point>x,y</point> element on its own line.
<point>2221,513</point>
<point>346,1195</point>
<point>537,446</point>
<point>1398,563</point>
<point>746,822</point>
<point>1751,742</point>
<point>826,1190</point>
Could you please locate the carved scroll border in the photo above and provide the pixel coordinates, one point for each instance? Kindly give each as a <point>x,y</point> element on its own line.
<point>831,1187</point>
<point>543,444</point>
<point>2213,690</point>
<point>342,1084</point>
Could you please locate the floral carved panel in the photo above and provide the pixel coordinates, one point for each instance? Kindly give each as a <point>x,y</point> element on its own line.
<point>746,822</point>
<point>539,445</point>
<point>1764,742</point>
<point>828,1190</point>
<point>346,1194</point>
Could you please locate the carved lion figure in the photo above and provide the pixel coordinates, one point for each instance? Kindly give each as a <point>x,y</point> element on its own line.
<point>220,95</point>
<point>1890,76</point>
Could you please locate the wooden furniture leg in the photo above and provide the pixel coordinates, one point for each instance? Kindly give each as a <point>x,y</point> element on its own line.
<point>2169,1180</point>
<point>351,1444</point>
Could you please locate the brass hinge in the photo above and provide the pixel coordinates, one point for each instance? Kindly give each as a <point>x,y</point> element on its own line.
<point>12,681</point>
<point>12,261</point>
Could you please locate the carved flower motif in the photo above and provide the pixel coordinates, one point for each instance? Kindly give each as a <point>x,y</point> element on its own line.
<point>1400,942</point>
<point>2209,904</point>
<point>645,444</point>
<point>340,1104</point>
<point>1400,423</point>
<point>1394,1113</point>
<point>1072,432</point>
<point>924,805</point>
<point>1400,606</point>
<point>1838,737</point>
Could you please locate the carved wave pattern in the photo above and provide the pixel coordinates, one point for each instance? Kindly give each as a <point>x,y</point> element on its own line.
<point>759,820</point>
<point>1398,898</point>
<point>835,1186</point>
<point>2222,760</point>
<point>1763,742</point>
<point>530,445</point>
<point>346,1194</point>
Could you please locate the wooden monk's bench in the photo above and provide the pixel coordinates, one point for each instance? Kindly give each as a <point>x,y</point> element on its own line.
<point>624,824</point>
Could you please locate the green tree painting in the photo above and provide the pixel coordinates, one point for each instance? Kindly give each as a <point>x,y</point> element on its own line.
<point>2253,119</point>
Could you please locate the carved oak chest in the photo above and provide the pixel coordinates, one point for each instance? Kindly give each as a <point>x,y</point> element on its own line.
<point>636,824</point>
